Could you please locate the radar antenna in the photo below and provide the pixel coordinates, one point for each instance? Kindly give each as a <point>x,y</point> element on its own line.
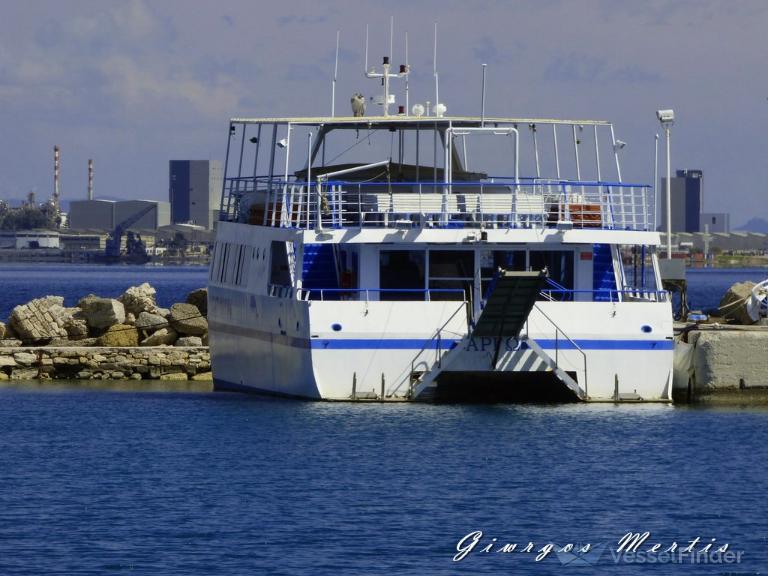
<point>386,99</point>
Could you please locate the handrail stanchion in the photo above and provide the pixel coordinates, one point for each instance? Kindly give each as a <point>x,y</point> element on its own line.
<point>359,206</point>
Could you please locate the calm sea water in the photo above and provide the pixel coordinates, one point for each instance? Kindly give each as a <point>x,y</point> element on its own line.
<point>162,483</point>
<point>20,283</point>
<point>707,285</point>
<point>132,482</point>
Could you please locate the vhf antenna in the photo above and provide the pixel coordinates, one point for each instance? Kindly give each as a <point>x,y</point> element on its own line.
<point>434,69</point>
<point>408,69</point>
<point>386,99</point>
<point>335,75</point>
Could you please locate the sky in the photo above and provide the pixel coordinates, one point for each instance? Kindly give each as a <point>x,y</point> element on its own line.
<point>136,83</point>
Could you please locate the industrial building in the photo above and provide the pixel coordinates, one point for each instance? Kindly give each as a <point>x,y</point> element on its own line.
<point>194,191</point>
<point>732,241</point>
<point>715,222</point>
<point>687,199</point>
<point>91,215</point>
<point>29,239</point>
<point>107,214</point>
<point>154,219</point>
<point>83,242</point>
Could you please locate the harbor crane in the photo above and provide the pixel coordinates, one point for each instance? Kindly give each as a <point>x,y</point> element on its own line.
<point>135,250</point>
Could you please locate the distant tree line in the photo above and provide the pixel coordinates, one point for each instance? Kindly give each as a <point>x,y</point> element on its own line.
<point>28,216</point>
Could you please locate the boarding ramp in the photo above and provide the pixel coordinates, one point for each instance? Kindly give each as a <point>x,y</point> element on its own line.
<point>510,300</point>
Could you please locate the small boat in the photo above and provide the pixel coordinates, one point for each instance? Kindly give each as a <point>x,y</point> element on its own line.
<point>417,256</point>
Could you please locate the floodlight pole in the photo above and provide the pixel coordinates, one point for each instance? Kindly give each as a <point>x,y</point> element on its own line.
<point>655,180</point>
<point>669,195</point>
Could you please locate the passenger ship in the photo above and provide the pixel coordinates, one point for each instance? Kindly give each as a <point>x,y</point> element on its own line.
<point>360,258</point>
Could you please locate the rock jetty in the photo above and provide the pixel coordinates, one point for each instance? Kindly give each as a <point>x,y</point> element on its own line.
<point>129,337</point>
<point>105,363</point>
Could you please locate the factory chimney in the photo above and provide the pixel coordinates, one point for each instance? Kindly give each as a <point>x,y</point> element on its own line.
<point>90,179</point>
<point>56,176</point>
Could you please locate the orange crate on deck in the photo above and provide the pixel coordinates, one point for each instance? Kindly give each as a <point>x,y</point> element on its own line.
<point>586,215</point>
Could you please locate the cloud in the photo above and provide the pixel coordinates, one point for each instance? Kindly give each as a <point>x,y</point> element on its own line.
<point>306,73</point>
<point>137,86</point>
<point>486,51</point>
<point>501,51</point>
<point>158,77</point>
<point>575,67</point>
<point>110,57</point>
<point>305,19</point>
<point>634,74</point>
<point>583,68</point>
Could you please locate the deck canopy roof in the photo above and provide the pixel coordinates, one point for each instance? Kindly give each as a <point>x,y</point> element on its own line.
<point>399,121</point>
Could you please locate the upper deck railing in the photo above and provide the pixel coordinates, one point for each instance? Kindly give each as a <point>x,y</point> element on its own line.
<point>501,202</point>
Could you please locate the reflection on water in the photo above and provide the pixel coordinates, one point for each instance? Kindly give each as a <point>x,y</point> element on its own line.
<point>108,385</point>
<point>219,483</point>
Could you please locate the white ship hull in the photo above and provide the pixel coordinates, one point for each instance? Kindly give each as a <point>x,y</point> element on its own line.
<point>343,349</point>
<point>409,276</point>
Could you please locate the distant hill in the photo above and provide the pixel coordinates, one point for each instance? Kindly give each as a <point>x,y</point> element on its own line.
<point>754,225</point>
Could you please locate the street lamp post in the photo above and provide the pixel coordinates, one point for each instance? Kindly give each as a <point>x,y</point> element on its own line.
<point>667,118</point>
<point>655,179</point>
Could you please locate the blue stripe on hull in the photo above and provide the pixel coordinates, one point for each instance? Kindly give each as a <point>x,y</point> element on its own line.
<point>549,344</point>
<point>608,344</point>
<point>419,343</point>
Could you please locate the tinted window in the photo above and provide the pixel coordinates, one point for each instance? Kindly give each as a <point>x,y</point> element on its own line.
<point>401,270</point>
<point>279,273</point>
<point>558,263</point>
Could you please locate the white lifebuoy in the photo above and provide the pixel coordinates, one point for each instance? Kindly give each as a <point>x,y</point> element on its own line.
<point>757,307</point>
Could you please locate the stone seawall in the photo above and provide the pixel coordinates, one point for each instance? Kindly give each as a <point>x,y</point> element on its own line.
<point>105,363</point>
<point>722,364</point>
<point>734,359</point>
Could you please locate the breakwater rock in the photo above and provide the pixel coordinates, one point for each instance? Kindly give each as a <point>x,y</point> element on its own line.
<point>105,363</point>
<point>734,305</point>
<point>131,320</point>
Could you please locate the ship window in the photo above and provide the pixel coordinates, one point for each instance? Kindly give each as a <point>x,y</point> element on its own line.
<point>451,263</point>
<point>214,262</point>
<point>238,264</point>
<point>224,262</point>
<point>638,268</point>
<point>279,274</point>
<point>559,265</point>
<point>491,261</point>
<point>241,265</point>
<point>401,272</point>
<point>451,270</point>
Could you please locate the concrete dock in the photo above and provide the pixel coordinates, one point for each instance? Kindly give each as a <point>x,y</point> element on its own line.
<point>721,364</point>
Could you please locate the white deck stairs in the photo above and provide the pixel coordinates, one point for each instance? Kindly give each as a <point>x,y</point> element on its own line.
<point>511,299</point>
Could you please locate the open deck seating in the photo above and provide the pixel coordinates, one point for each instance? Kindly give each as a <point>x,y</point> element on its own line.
<point>525,205</point>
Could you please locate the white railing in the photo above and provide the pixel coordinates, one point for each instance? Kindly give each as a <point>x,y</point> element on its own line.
<point>496,203</point>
